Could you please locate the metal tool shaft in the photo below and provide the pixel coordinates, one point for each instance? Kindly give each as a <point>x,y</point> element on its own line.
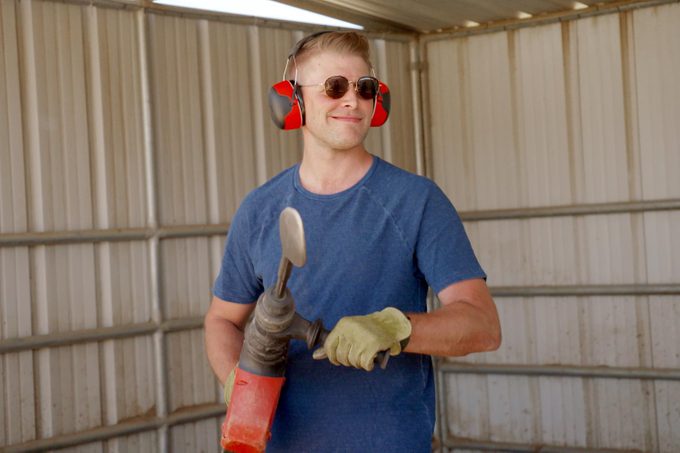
<point>285,268</point>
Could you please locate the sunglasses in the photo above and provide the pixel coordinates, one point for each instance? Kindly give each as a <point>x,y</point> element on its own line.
<point>336,87</point>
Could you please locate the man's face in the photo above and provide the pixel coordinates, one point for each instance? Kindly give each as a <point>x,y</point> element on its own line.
<point>336,124</point>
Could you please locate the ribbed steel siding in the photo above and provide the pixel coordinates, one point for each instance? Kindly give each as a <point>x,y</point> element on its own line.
<point>72,157</point>
<point>567,114</point>
<point>184,143</point>
<point>657,58</point>
<point>117,131</point>
<point>201,436</point>
<point>82,164</point>
<point>395,140</point>
<point>17,407</point>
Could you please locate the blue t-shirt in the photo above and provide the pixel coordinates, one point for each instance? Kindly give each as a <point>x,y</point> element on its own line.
<point>377,244</point>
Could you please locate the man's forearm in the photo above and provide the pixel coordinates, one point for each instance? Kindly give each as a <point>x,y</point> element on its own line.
<point>456,329</point>
<point>223,342</point>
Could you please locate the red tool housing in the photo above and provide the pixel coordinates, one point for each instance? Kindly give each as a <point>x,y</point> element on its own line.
<point>246,428</point>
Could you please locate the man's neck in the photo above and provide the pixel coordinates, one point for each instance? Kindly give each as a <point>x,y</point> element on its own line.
<point>326,172</point>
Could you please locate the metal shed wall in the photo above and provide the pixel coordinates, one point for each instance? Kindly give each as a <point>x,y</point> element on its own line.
<point>560,146</point>
<point>128,137</point>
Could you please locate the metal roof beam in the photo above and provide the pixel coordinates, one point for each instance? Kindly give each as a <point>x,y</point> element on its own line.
<point>370,22</point>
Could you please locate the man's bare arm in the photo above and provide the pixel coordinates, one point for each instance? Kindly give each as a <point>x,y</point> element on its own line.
<point>466,322</point>
<point>224,324</point>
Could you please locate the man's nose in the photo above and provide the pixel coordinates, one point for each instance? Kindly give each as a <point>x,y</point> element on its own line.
<point>350,98</point>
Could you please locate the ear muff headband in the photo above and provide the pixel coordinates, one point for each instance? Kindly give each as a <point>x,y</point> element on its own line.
<point>287,107</point>
<point>285,98</point>
<point>301,43</point>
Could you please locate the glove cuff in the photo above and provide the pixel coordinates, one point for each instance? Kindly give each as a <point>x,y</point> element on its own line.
<point>229,385</point>
<point>402,325</point>
<point>403,343</point>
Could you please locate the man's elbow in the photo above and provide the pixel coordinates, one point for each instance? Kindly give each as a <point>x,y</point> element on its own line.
<point>493,338</point>
<point>493,330</point>
<point>208,320</point>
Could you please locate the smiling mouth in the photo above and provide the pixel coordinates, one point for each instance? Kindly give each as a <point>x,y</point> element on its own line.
<point>352,119</point>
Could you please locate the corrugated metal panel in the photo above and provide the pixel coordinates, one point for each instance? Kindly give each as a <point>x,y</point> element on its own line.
<point>559,115</point>
<point>115,111</point>
<point>540,116</point>
<point>137,442</point>
<point>186,277</point>
<point>588,331</point>
<point>395,140</point>
<point>595,249</point>
<point>134,443</point>
<point>657,62</point>
<point>201,436</point>
<point>191,381</point>
<point>230,107</point>
<point>17,392</point>
<point>573,412</point>
<point>177,119</point>
<point>663,264</point>
<point>604,171</point>
<point>67,380</point>
<point>568,412</point>
<point>275,150</point>
<point>663,246</point>
<point>123,278</point>
<point>468,96</point>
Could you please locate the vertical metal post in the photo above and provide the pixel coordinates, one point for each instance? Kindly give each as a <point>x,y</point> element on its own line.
<point>417,103</point>
<point>211,165</point>
<point>423,93</point>
<point>258,121</point>
<point>153,241</point>
<point>36,216</point>
<point>416,66</point>
<point>102,220</point>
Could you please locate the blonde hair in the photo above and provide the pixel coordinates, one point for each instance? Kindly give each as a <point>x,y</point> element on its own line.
<point>349,42</point>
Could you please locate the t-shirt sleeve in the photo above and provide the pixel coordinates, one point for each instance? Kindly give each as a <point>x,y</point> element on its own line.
<point>237,280</point>
<point>443,250</point>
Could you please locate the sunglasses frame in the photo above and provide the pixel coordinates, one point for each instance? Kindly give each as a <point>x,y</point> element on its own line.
<point>327,89</point>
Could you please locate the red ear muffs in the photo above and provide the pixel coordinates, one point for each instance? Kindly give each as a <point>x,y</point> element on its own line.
<point>286,106</point>
<point>382,106</point>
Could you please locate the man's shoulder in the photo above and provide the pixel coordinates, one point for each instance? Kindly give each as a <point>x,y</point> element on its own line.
<point>276,186</point>
<point>264,201</point>
<point>395,181</point>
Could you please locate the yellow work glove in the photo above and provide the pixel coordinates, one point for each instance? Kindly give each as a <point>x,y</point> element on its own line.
<point>229,386</point>
<point>356,340</point>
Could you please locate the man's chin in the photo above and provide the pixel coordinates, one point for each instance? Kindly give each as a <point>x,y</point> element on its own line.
<point>350,139</point>
<point>346,145</point>
<point>341,140</point>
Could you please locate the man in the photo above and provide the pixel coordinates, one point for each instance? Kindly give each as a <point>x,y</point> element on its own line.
<point>376,236</point>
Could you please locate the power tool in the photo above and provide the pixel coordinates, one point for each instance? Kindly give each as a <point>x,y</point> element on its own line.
<point>259,374</point>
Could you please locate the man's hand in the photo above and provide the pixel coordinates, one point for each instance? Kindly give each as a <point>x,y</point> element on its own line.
<point>356,340</point>
<point>229,386</point>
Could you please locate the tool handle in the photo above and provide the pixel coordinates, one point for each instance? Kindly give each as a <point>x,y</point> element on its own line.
<point>381,358</point>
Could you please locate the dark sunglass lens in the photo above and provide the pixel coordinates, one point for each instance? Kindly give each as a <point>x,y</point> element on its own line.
<point>336,87</point>
<point>367,87</point>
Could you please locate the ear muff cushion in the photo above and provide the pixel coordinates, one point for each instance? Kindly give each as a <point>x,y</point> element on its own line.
<point>382,106</point>
<point>285,106</point>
